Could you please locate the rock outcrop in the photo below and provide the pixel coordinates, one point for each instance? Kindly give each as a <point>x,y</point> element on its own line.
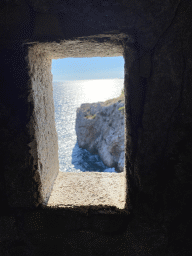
<point>100,130</point>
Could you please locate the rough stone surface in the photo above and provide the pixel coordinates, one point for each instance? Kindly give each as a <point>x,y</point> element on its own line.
<point>89,189</point>
<point>43,122</point>
<point>16,110</point>
<point>155,38</point>
<point>100,130</point>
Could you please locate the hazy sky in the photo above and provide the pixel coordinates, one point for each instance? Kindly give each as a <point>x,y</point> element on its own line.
<point>87,68</point>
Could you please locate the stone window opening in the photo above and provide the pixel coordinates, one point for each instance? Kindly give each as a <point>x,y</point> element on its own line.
<point>57,189</point>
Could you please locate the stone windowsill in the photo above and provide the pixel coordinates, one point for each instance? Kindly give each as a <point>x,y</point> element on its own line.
<point>88,189</point>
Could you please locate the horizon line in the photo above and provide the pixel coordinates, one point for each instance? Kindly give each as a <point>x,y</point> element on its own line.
<point>86,79</point>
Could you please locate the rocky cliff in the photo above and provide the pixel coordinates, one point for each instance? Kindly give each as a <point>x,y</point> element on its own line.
<point>100,130</point>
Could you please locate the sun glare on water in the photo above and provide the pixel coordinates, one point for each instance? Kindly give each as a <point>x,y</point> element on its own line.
<point>98,90</point>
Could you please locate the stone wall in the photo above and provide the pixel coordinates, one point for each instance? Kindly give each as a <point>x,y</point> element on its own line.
<point>18,167</point>
<point>30,149</point>
<point>155,39</point>
<point>45,143</point>
<point>158,120</point>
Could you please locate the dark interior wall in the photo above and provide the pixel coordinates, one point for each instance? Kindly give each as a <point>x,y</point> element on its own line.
<point>157,41</point>
<point>16,171</point>
<point>159,137</point>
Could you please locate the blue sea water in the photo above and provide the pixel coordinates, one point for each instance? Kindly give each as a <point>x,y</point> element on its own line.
<point>68,96</point>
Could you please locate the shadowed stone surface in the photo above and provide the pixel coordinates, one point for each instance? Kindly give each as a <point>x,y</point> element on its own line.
<point>88,188</point>
<point>155,39</point>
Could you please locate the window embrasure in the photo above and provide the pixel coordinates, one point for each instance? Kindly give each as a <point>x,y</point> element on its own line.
<point>64,189</point>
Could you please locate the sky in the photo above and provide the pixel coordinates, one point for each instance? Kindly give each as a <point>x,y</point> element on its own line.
<point>69,69</point>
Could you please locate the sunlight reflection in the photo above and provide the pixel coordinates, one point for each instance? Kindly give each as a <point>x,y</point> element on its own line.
<point>68,96</point>
<point>98,90</point>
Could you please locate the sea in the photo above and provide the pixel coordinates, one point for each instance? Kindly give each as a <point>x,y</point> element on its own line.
<point>68,96</point>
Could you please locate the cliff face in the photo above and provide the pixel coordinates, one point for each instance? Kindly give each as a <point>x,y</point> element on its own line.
<point>100,130</point>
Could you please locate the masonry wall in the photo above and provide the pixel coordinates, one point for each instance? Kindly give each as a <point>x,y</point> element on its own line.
<point>17,186</point>
<point>29,139</point>
<point>156,38</point>
<point>45,143</point>
<point>158,121</point>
